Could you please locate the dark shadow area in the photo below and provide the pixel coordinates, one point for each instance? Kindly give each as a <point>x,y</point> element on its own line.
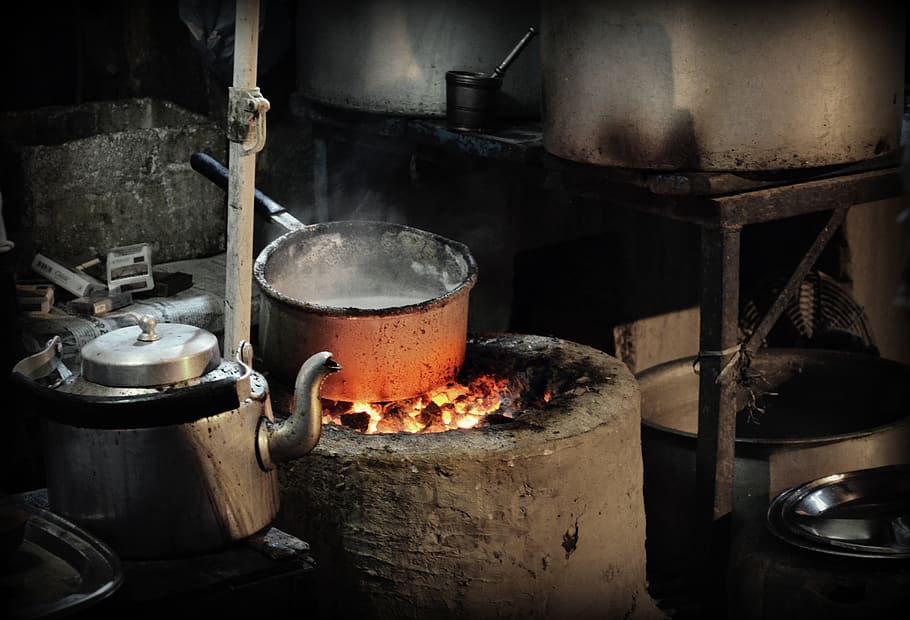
<point>634,266</point>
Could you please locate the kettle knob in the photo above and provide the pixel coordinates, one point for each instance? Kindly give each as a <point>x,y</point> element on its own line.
<point>147,325</point>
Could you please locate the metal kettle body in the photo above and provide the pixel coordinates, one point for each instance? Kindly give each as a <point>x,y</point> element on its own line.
<point>163,491</point>
<point>153,478</point>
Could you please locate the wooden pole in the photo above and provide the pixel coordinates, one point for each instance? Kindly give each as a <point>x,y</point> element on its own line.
<point>241,186</point>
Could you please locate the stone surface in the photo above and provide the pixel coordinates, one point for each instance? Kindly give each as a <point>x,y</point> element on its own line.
<point>85,179</point>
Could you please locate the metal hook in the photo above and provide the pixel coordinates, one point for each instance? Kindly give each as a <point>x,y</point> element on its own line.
<point>246,118</point>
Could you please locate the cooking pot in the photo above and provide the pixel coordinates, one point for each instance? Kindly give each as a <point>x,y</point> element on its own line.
<point>159,446</point>
<point>707,85</point>
<point>388,299</point>
<point>472,97</point>
<point>805,413</point>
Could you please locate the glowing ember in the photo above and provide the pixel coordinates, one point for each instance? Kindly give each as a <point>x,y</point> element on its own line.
<point>483,401</point>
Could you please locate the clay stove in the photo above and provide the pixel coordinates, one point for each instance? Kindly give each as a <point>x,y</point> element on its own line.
<point>538,516</point>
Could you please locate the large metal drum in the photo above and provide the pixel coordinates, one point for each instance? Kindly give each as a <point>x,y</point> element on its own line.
<point>391,57</point>
<point>712,85</point>
<point>816,412</point>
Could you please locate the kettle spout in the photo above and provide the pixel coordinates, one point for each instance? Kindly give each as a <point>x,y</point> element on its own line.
<point>299,433</point>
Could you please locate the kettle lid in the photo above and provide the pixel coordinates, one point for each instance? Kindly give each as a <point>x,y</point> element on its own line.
<point>150,354</point>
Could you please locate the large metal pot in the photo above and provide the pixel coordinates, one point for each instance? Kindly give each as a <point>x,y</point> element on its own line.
<point>815,413</point>
<point>388,299</point>
<point>709,85</point>
<point>160,447</point>
<point>391,57</point>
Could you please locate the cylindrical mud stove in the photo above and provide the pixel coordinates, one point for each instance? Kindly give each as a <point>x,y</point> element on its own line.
<point>803,414</point>
<point>540,516</point>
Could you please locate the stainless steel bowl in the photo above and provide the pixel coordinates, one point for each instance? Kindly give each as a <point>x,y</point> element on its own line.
<point>863,513</point>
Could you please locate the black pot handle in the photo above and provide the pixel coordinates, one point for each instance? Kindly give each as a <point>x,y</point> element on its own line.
<point>214,171</point>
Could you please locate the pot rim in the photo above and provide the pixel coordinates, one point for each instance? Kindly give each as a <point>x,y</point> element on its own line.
<point>764,442</point>
<point>473,79</point>
<point>463,287</point>
<point>774,442</point>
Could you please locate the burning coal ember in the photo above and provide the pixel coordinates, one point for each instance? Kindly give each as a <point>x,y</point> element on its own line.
<point>482,401</point>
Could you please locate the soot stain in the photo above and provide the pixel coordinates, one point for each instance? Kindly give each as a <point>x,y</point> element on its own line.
<point>570,540</point>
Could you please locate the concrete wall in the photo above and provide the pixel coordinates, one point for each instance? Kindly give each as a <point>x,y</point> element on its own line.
<point>83,180</point>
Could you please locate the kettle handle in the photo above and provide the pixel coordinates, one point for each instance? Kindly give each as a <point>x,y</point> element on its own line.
<point>45,367</point>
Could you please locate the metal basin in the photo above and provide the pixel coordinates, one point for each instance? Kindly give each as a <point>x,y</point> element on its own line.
<point>863,514</point>
<point>824,412</point>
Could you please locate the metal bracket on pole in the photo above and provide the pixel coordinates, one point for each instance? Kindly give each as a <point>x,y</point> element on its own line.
<point>246,118</point>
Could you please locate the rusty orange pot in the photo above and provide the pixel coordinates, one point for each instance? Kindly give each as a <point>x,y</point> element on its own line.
<point>389,301</point>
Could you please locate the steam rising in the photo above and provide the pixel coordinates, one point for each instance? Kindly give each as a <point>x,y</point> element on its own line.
<point>365,265</point>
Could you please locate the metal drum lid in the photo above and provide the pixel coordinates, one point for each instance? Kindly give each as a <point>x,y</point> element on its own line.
<point>863,513</point>
<point>150,355</point>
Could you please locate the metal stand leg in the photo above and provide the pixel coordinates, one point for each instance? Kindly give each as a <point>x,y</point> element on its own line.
<point>720,249</point>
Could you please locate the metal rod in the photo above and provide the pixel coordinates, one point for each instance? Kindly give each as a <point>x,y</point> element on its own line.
<point>241,185</point>
<point>796,279</point>
<point>498,71</point>
<point>720,263</point>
